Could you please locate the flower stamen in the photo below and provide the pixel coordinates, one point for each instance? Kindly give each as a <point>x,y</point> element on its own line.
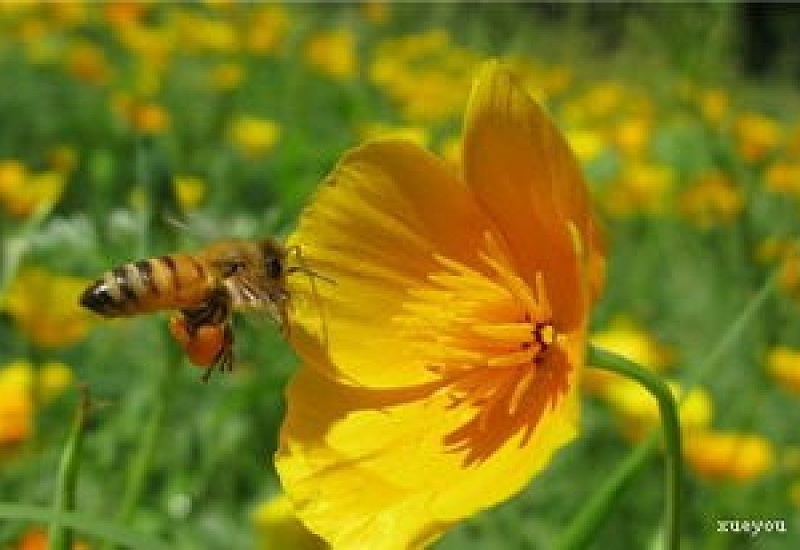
<point>490,338</point>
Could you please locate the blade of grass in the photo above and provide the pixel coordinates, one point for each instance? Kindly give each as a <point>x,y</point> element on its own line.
<point>60,538</point>
<point>16,246</point>
<point>735,330</point>
<point>143,460</point>
<point>96,527</point>
<point>144,456</point>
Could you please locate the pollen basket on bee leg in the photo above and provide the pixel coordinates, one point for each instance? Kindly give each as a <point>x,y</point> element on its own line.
<point>203,346</point>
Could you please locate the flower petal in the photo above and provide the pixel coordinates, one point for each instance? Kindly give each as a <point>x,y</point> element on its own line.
<point>528,182</point>
<point>373,468</point>
<point>374,228</point>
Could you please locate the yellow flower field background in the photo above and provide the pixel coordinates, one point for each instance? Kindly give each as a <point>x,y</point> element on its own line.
<point>135,129</point>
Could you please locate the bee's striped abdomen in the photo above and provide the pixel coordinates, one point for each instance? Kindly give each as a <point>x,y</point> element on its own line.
<point>166,282</point>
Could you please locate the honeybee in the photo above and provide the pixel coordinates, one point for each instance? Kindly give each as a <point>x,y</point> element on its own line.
<point>205,288</point>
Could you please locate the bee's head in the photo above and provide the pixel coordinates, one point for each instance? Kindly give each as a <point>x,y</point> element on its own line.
<point>273,259</point>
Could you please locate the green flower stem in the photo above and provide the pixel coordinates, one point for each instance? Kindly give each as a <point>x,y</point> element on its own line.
<point>60,538</point>
<point>592,514</point>
<point>583,528</point>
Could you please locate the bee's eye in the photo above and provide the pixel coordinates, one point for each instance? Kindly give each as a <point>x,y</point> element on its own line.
<point>274,267</point>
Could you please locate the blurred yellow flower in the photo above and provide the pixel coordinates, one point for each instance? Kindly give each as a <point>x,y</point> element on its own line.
<point>45,307</point>
<point>638,409</point>
<point>642,188</point>
<point>16,403</point>
<point>62,159</point>
<point>711,200</point>
<point>376,11</point>
<point>333,53</point>
<point>267,26</point>
<point>14,11</point>
<point>13,175</point>
<point>379,130</point>
<point>54,378</point>
<point>540,81</point>
<point>151,48</point>
<point>149,118</point>
<point>586,143</point>
<point>604,98</point>
<point>34,33</point>
<point>450,370</point>
<point>554,80</point>
<point>19,381</point>
<point>32,539</point>
<point>141,115</point>
<point>632,136</point>
<point>253,136</point>
<point>713,104</point>
<point>227,76</point>
<point>789,279</point>
<point>626,338</point>
<point>36,539</point>
<point>728,456</point>
<point>783,176</point>
<point>775,248</point>
<point>190,191</point>
<point>220,5</point>
<point>427,75</point>
<point>279,528</point>
<point>629,340</point>
<point>22,197</point>
<point>756,135</point>
<point>197,32</point>
<point>783,364</point>
<point>68,14</point>
<point>598,102</point>
<point>87,61</point>
<point>125,12</point>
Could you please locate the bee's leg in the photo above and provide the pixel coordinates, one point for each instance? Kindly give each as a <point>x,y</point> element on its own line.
<point>215,312</point>
<point>282,303</point>
<point>224,358</point>
<point>210,346</point>
<point>207,374</point>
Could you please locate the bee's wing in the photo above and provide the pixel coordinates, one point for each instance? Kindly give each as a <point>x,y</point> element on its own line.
<point>249,295</point>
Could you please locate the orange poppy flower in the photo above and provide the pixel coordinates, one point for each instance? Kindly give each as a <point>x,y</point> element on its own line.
<point>454,334</point>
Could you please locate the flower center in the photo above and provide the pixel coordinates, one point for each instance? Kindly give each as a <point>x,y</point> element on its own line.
<point>543,336</point>
<point>491,338</point>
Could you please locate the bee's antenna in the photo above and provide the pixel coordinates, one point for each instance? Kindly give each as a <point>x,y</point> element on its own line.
<point>310,272</point>
<point>302,267</point>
